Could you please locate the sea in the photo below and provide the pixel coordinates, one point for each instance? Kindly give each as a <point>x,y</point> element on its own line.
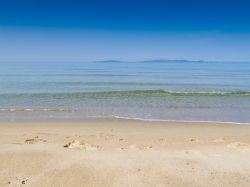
<point>160,90</point>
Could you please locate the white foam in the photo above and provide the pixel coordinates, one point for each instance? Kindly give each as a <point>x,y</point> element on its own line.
<point>184,121</point>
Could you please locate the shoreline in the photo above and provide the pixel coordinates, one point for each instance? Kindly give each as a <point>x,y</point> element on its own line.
<point>124,119</point>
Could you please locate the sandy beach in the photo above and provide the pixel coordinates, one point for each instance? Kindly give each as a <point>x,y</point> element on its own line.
<point>124,153</point>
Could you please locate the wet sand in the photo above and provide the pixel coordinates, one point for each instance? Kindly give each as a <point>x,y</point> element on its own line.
<point>124,153</point>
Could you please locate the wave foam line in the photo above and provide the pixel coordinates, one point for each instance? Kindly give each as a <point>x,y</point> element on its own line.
<point>183,121</point>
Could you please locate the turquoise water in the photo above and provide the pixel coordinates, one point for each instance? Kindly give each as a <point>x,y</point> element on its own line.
<point>171,90</point>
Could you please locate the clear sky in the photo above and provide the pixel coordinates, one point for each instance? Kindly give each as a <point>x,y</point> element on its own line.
<point>50,30</point>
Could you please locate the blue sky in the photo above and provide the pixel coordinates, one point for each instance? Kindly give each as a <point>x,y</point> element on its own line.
<point>50,30</point>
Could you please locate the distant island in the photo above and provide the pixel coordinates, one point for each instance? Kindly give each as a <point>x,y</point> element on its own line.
<point>152,61</point>
<point>110,61</point>
<point>168,60</point>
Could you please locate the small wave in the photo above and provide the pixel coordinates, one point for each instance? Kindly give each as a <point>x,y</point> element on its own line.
<point>159,93</point>
<point>179,93</point>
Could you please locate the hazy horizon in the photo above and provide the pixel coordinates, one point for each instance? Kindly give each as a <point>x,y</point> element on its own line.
<point>128,61</point>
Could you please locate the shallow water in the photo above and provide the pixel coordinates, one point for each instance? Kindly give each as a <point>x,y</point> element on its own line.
<point>189,91</point>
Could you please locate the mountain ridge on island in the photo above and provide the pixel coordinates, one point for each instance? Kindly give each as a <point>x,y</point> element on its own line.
<point>153,61</point>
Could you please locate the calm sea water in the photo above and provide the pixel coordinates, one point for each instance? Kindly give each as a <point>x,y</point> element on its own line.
<point>189,91</point>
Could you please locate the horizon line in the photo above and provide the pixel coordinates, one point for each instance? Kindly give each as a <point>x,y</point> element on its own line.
<point>126,61</point>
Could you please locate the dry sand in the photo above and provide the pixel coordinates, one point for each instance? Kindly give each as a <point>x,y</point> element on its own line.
<point>122,154</point>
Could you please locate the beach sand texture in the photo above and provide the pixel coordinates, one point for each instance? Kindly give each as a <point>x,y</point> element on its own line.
<point>124,153</point>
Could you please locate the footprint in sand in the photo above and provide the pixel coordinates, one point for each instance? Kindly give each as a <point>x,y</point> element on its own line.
<point>34,140</point>
<point>19,181</point>
<point>240,146</point>
<point>193,140</point>
<point>105,136</point>
<point>136,147</point>
<point>219,140</point>
<point>193,152</point>
<point>140,147</point>
<point>75,144</point>
<point>161,140</point>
